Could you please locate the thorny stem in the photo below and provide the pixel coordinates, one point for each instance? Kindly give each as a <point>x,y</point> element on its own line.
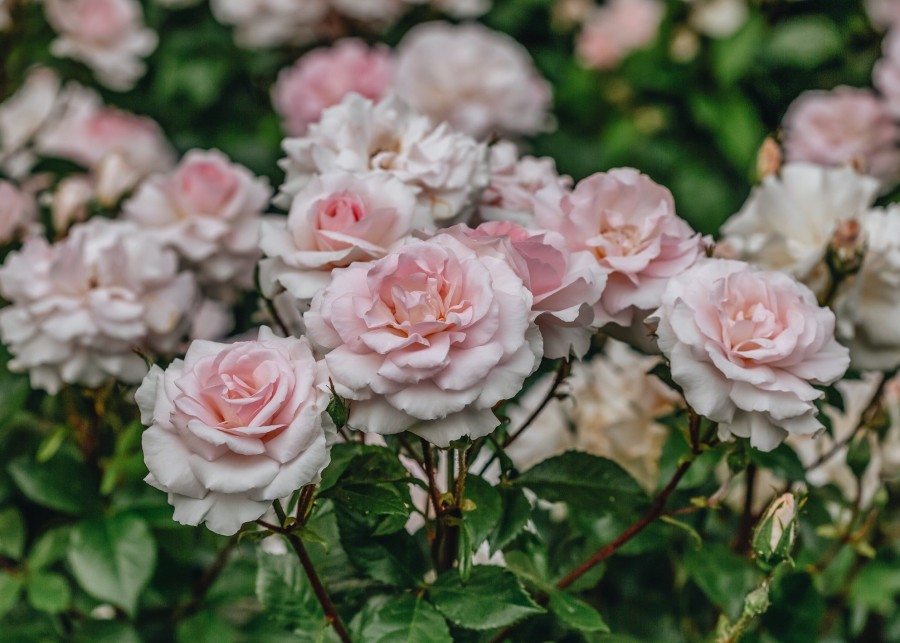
<point>745,527</point>
<point>331,613</point>
<point>432,481</point>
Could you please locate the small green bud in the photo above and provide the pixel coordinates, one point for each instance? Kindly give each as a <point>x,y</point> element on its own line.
<point>338,410</point>
<point>773,538</point>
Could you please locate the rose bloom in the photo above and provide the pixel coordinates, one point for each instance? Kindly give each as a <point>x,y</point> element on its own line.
<point>338,218</point>
<point>886,74</point>
<point>380,12</point>
<point>427,339</point>
<point>884,14</point>
<point>322,77</point>
<point>510,196</point>
<point>209,209</point>
<point>447,169</point>
<point>18,211</point>
<point>718,18</point>
<point>628,223</point>
<point>233,427</point>
<point>22,115</point>
<point>844,126</point>
<point>746,346</point>
<point>617,28</point>
<point>81,306</point>
<point>109,36</point>
<point>263,24</point>
<point>478,80</point>
<point>868,306</point>
<point>564,285</point>
<point>790,218</point>
<point>87,131</point>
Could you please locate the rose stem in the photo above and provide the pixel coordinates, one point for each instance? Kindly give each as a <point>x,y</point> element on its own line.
<point>328,607</point>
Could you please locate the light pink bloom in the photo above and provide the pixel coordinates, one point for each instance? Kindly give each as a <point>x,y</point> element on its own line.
<point>70,201</point>
<point>844,126</point>
<point>338,218</point>
<point>884,14</point>
<point>747,346</point>
<point>264,24</point>
<point>380,12</point>
<point>209,209</point>
<point>447,169</point>
<point>109,36</point>
<point>18,211</point>
<point>81,306</point>
<point>322,77</point>
<point>628,223</point>
<point>427,339</point>
<point>87,131</point>
<point>886,75</point>
<point>21,117</point>
<point>234,427</point>
<point>478,80</point>
<point>510,196</point>
<point>564,285</point>
<point>616,29</point>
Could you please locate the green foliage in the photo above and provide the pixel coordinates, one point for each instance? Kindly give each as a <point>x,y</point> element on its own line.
<point>464,602</point>
<point>406,618</point>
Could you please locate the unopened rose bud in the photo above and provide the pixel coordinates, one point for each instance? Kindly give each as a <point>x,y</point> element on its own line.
<point>776,531</point>
<point>768,159</point>
<point>115,177</point>
<point>70,202</point>
<point>846,249</point>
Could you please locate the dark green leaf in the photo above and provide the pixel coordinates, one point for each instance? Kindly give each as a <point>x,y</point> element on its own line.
<point>804,42</point>
<point>48,592</point>
<point>406,619</point>
<point>585,482</point>
<point>724,576</point>
<point>576,613</point>
<point>492,598</point>
<point>480,519</point>
<point>107,632</point>
<point>394,559</point>
<point>12,533</point>
<point>113,558</point>
<point>10,586</point>
<point>283,590</point>
<point>63,483</point>
<point>516,510</point>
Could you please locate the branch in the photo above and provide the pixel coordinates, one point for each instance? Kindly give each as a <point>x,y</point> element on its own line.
<point>561,373</point>
<point>331,613</point>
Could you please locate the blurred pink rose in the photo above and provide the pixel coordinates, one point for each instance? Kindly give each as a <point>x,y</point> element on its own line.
<point>747,346</point>
<point>628,223</point>
<point>886,75</point>
<point>109,36</point>
<point>373,11</point>
<point>338,218</point>
<point>22,115</point>
<point>564,285</point>
<point>844,126</point>
<point>478,80</point>
<point>209,209</point>
<point>234,427</point>
<point>322,77</point>
<point>427,339</point>
<point>87,131</point>
<point>510,196</point>
<point>18,211</point>
<point>617,28</point>
<point>81,306</point>
<point>264,24</point>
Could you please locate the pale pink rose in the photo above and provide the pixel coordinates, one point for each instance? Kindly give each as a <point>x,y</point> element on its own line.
<point>564,285</point>
<point>510,196</point>
<point>70,202</point>
<point>233,427</point>
<point>264,24</point>
<point>18,211</point>
<point>718,18</point>
<point>87,131</point>
<point>447,169</point>
<point>427,339</point>
<point>628,223</point>
<point>884,14</point>
<point>21,117</point>
<point>81,306</point>
<point>380,12</point>
<point>886,74</point>
<point>746,346</point>
<point>478,80</point>
<point>109,36</point>
<point>209,209</point>
<point>338,218</point>
<point>212,320</point>
<point>844,126</point>
<point>322,77</point>
<point>617,28</point>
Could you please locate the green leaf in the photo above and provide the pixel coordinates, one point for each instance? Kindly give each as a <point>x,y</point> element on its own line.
<point>49,548</point>
<point>107,632</point>
<point>877,586</point>
<point>724,576</point>
<point>12,533</point>
<point>282,588</point>
<point>406,618</point>
<point>14,389</point>
<point>805,42</point>
<point>492,598</point>
<point>576,613</point>
<point>395,559</point>
<point>734,56</point>
<point>48,592</point>
<point>516,510</point>
<point>375,501</point>
<point>361,463</point>
<point>585,482</point>
<point>782,461</point>
<point>63,483</point>
<point>484,516</point>
<point>10,586</point>
<point>113,558</point>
